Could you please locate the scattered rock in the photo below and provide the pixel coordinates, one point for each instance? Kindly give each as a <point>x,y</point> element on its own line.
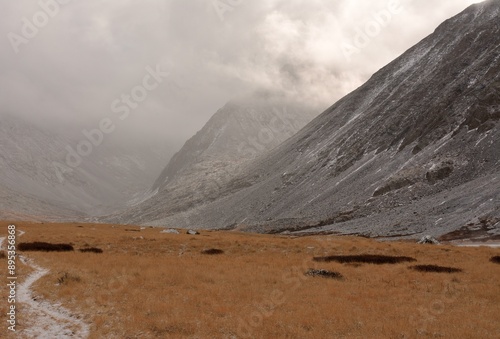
<point>428,240</point>
<point>170,231</point>
<point>192,232</point>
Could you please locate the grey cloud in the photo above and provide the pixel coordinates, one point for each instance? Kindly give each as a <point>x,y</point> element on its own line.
<point>92,52</point>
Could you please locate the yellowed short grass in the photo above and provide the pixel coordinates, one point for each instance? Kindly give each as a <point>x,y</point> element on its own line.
<point>152,285</point>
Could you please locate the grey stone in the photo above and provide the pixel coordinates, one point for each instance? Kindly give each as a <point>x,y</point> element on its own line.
<point>428,240</point>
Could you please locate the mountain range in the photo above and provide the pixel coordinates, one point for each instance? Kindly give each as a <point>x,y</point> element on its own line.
<point>414,150</point>
<point>38,182</point>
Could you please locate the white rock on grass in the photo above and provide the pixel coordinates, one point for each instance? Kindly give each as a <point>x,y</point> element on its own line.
<point>170,231</point>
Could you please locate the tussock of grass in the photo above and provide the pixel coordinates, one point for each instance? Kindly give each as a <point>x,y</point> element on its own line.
<point>212,251</point>
<point>44,247</point>
<point>91,250</point>
<point>2,255</point>
<point>365,259</point>
<point>324,274</point>
<point>435,268</point>
<point>67,277</point>
<point>495,259</point>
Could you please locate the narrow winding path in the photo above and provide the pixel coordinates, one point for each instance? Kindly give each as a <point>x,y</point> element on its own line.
<point>44,319</point>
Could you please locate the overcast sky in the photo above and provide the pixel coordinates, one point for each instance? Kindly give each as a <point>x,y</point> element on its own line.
<point>86,54</point>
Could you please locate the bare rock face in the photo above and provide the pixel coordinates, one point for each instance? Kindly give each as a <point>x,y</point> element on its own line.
<point>439,172</point>
<point>413,151</point>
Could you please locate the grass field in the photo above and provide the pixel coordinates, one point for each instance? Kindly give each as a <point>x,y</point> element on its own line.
<point>147,284</point>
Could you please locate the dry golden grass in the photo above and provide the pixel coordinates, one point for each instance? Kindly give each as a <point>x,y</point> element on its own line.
<point>151,285</point>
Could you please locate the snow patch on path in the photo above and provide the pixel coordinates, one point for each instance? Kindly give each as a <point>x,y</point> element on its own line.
<point>45,320</point>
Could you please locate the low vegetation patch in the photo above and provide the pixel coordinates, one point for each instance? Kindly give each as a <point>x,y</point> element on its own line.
<point>324,274</point>
<point>435,268</point>
<point>44,247</point>
<point>495,259</point>
<point>364,259</point>
<point>91,250</point>
<point>67,277</point>
<point>212,251</point>
<point>2,255</point>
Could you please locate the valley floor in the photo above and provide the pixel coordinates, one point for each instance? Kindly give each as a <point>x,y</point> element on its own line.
<point>148,284</point>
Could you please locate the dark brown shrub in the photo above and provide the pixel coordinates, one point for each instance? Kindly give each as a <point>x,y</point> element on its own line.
<point>364,259</point>
<point>212,251</point>
<point>91,250</point>
<point>324,274</point>
<point>44,247</point>
<point>495,259</point>
<point>435,268</point>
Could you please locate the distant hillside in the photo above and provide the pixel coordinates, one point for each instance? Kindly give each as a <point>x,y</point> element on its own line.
<point>236,134</point>
<point>35,174</point>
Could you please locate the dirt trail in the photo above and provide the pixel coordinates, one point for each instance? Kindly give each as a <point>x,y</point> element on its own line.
<point>44,319</point>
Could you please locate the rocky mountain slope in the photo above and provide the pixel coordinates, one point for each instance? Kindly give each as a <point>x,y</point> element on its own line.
<point>233,137</point>
<point>414,150</point>
<point>36,180</point>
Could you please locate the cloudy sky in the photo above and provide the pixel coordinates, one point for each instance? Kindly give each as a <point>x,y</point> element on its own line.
<point>75,65</point>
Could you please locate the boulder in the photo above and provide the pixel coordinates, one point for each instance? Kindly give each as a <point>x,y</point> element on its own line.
<point>428,240</point>
<point>192,232</point>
